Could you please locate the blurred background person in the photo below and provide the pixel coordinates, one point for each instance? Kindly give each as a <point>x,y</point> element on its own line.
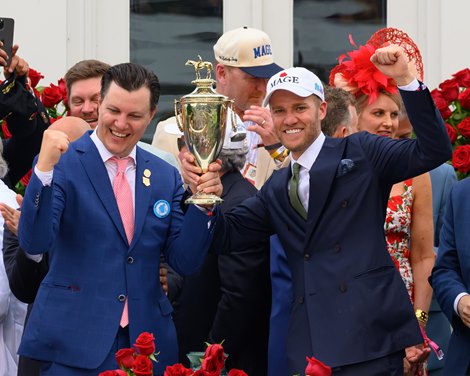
<point>341,115</point>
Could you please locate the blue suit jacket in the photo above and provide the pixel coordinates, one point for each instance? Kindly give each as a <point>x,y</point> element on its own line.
<point>451,274</point>
<point>77,310</point>
<point>350,303</point>
<point>438,328</point>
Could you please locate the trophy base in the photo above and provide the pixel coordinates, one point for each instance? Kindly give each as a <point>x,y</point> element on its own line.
<point>201,198</point>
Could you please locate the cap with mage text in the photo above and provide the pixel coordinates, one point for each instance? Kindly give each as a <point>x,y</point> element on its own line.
<point>299,81</point>
<point>248,49</point>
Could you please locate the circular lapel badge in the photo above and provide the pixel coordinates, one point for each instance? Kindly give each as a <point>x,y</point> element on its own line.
<point>161,209</point>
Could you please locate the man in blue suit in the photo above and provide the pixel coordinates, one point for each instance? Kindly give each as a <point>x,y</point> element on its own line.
<point>450,278</point>
<point>102,289</point>
<point>350,307</point>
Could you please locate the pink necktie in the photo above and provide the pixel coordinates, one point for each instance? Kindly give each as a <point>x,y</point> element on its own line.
<point>123,194</point>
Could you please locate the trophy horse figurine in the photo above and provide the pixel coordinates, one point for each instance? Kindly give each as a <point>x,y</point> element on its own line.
<point>200,65</point>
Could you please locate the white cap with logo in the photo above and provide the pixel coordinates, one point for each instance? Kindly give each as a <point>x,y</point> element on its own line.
<point>248,49</point>
<point>299,81</point>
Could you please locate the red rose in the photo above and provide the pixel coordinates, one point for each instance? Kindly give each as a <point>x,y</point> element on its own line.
<point>51,96</point>
<point>125,358</point>
<point>214,358</point>
<point>26,178</point>
<point>316,368</point>
<point>464,98</point>
<point>142,366</point>
<point>464,127</point>
<point>200,372</point>
<point>34,76</point>
<point>237,372</point>
<point>443,107</point>
<point>461,158</point>
<point>450,89</point>
<point>436,94</point>
<point>177,370</point>
<point>451,132</point>
<point>145,343</point>
<point>463,77</point>
<point>116,372</point>
<point>5,130</point>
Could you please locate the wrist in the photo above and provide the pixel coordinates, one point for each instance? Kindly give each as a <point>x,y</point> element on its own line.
<point>404,80</point>
<point>422,317</point>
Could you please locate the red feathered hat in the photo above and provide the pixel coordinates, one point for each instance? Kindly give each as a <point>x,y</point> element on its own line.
<point>358,75</point>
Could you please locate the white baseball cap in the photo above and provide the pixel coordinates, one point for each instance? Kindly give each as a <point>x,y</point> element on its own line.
<point>299,81</point>
<point>248,49</point>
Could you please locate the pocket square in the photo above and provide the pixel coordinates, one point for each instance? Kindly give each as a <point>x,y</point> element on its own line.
<point>345,166</point>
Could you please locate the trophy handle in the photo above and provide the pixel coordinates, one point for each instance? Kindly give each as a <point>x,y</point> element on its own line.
<point>177,114</point>
<point>234,119</point>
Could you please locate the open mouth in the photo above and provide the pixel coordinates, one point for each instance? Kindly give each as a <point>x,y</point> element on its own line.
<point>293,131</point>
<point>117,134</point>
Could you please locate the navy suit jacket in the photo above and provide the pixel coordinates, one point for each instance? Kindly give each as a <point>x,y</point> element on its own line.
<point>78,307</point>
<point>451,274</point>
<point>350,303</point>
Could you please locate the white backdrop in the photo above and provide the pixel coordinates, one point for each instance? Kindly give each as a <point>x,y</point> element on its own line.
<point>54,34</point>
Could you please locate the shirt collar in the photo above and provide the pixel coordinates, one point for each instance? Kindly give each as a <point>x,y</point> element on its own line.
<point>309,156</point>
<point>105,154</point>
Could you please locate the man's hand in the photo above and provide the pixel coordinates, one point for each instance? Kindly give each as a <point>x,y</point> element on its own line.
<point>414,358</point>
<point>262,124</point>
<point>198,181</point>
<point>393,62</point>
<point>11,216</point>
<point>463,307</point>
<point>17,63</point>
<point>54,144</point>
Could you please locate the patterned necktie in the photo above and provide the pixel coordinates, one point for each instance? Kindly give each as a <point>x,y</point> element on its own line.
<point>123,193</point>
<point>294,192</point>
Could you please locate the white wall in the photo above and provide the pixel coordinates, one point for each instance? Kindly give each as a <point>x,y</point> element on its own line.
<point>439,29</point>
<point>55,34</point>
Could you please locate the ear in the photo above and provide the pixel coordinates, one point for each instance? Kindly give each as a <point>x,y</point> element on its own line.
<point>322,109</point>
<point>220,73</point>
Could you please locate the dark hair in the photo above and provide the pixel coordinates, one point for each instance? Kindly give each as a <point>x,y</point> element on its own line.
<point>131,77</point>
<point>337,111</point>
<point>84,70</point>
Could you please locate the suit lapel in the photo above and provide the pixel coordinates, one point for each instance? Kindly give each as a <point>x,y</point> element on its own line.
<point>322,175</point>
<point>99,179</point>
<point>143,191</point>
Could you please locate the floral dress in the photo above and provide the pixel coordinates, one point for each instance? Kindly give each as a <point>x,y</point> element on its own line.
<point>397,233</point>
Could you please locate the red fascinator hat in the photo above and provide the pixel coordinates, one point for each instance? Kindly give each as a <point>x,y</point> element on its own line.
<point>358,75</point>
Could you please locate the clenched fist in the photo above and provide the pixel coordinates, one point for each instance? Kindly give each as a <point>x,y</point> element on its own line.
<point>54,144</point>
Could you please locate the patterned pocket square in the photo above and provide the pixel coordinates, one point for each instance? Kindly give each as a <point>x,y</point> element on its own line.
<point>345,166</point>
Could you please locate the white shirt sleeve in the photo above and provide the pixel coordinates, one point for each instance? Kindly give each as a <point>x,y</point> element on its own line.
<point>45,177</point>
<point>456,302</point>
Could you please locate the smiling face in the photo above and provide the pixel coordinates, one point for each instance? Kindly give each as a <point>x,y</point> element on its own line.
<point>297,120</point>
<point>84,98</point>
<point>123,117</point>
<point>380,117</point>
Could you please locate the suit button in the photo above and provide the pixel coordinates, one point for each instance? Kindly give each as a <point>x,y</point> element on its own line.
<point>130,260</point>
<point>307,256</point>
<point>344,203</point>
<point>343,287</point>
<point>301,300</point>
<point>121,297</point>
<point>337,248</point>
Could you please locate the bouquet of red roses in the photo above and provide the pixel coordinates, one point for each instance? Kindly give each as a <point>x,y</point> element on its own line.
<point>136,361</point>
<point>452,98</point>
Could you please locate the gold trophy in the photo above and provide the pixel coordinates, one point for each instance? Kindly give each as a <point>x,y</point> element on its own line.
<point>202,117</point>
